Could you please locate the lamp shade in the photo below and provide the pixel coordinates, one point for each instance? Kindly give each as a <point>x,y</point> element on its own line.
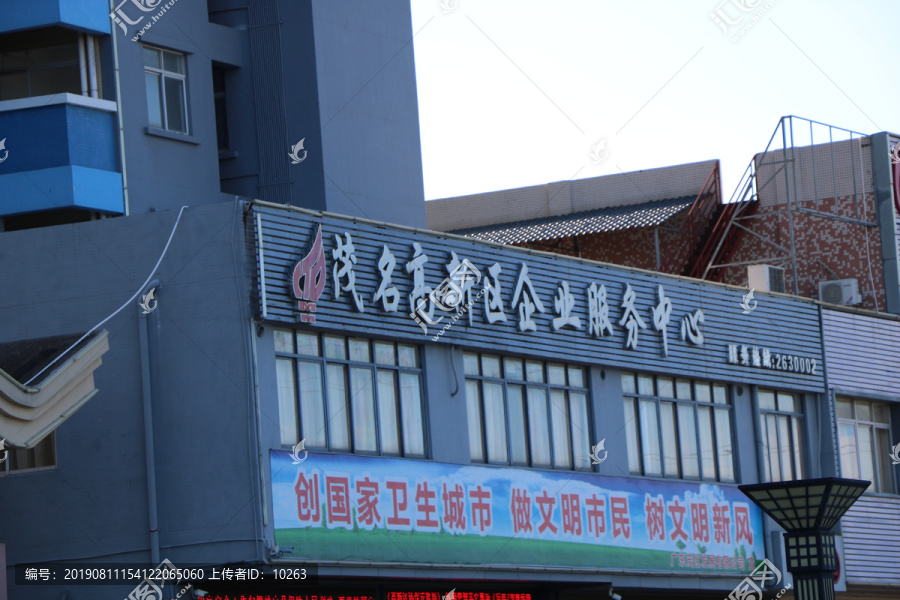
<point>806,504</point>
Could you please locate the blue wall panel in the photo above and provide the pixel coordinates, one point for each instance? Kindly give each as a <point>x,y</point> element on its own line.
<point>91,138</point>
<point>91,16</point>
<point>58,135</point>
<point>61,187</point>
<point>863,353</point>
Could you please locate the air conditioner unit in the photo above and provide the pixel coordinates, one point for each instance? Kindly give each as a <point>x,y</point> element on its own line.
<point>766,278</point>
<point>842,291</point>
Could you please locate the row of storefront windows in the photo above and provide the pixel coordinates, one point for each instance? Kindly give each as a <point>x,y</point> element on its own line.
<point>352,394</point>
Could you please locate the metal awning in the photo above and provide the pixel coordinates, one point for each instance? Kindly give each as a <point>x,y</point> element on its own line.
<point>44,381</point>
<point>614,218</point>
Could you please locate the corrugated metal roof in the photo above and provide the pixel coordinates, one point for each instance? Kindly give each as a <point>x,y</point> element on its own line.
<point>614,218</point>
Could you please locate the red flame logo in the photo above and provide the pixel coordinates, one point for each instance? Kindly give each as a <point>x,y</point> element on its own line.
<point>311,272</point>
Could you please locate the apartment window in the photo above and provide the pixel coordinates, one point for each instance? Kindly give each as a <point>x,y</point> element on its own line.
<point>42,456</point>
<point>781,418</point>
<point>27,70</point>
<point>165,76</point>
<point>527,412</point>
<point>353,394</point>
<point>864,433</point>
<point>678,427</point>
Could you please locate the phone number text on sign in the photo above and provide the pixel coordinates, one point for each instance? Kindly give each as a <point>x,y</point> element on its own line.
<point>754,356</point>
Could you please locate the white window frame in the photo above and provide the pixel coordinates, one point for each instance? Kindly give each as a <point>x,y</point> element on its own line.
<point>797,436</point>
<point>409,435</point>
<point>880,452</point>
<point>163,75</point>
<point>647,432</point>
<point>531,390</point>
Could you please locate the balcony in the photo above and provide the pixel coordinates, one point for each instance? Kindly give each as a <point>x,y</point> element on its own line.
<point>89,16</point>
<point>60,153</point>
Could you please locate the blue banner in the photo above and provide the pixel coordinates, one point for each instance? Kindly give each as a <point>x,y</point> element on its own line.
<point>346,507</point>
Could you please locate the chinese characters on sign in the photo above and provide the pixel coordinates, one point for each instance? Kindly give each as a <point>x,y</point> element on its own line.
<point>682,525</point>
<point>460,291</point>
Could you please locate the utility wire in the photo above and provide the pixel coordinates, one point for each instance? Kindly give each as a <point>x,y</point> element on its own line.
<point>121,308</point>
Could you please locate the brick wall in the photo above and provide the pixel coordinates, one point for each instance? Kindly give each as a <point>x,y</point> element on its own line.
<point>827,249</point>
<point>628,247</point>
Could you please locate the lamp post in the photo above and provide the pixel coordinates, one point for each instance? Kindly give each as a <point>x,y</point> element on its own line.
<point>808,509</point>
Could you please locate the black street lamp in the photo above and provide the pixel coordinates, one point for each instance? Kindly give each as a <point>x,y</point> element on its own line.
<point>808,509</point>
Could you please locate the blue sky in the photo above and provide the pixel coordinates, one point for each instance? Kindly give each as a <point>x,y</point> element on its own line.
<point>518,92</point>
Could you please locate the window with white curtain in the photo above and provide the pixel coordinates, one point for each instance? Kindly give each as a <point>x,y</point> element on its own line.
<point>349,394</point>
<point>527,412</point>
<point>781,429</point>
<point>864,433</point>
<point>678,427</point>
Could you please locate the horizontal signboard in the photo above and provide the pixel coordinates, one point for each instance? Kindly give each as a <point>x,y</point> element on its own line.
<point>335,273</point>
<point>354,508</point>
